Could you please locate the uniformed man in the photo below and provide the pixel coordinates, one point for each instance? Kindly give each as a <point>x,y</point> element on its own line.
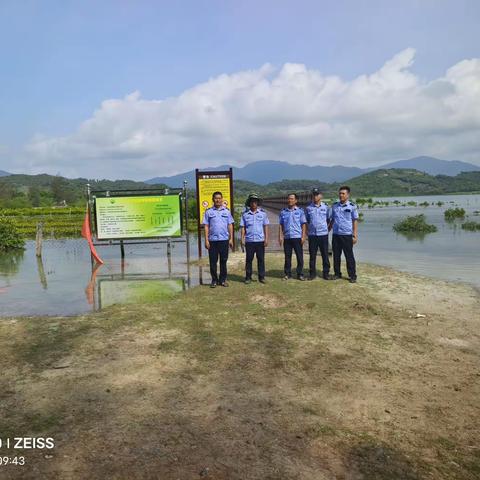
<point>218,222</point>
<point>344,218</point>
<point>254,223</point>
<point>318,217</point>
<point>292,235</point>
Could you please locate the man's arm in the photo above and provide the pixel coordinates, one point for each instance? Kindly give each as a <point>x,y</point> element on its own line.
<point>243,231</point>
<point>304,233</point>
<point>207,243</point>
<point>230,235</point>
<point>280,234</point>
<point>265,232</point>
<point>355,231</point>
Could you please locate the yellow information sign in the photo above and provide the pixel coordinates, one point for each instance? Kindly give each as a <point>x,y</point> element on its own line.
<point>207,184</point>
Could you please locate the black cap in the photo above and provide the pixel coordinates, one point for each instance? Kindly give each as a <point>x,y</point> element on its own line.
<point>316,191</point>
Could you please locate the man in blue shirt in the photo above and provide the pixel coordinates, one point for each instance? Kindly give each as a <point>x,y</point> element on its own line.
<point>292,235</point>
<point>344,218</point>
<point>254,223</point>
<point>318,216</point>
<point>218,222</point>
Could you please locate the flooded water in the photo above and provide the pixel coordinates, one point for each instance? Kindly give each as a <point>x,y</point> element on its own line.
<point>451,253</point>
<point>62,282</point>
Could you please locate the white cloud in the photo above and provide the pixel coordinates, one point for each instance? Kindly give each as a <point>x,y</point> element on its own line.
<point>292,113</point>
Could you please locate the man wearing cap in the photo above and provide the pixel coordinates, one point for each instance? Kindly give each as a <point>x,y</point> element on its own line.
<point>254,223</point>
<point>344,218</point>
<point>318,216</point>
<point>292,235</point>
<point>218,222</point>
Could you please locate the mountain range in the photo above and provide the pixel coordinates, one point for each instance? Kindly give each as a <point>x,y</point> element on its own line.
<point>3,173</point>
<point>268,171</point>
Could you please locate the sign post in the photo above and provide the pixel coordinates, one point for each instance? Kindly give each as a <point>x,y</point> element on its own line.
<point>207,183</point>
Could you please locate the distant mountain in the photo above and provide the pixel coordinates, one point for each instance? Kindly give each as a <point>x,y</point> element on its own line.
<point>434,166</point>
<point>269,171</point>
<point>3,173</point>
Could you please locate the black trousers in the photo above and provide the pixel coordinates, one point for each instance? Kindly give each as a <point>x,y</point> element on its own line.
<point>316,242</point>
<point>343,243</point>
<point>289,245</point>
<point>252,249</point>
<point>218,248</point>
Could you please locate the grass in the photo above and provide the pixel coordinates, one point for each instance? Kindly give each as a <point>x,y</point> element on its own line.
<point>283,380</point>
<point>454,213</point>
<point>471,226</point>
<point>414,224</point>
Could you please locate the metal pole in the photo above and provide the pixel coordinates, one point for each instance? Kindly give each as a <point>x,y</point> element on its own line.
<point>122,249</point>
<point>169,257</point>
<point>185,193</point>
<point>199,229</point>
<point>188,231</point>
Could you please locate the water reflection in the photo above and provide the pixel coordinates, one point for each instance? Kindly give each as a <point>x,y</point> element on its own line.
<point>10,262</point>
<point>62,281</point>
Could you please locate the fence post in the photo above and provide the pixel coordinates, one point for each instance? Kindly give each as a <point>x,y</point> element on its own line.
<point>39,239</point>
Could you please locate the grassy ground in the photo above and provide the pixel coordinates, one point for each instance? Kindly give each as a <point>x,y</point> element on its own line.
<point>291,380</point>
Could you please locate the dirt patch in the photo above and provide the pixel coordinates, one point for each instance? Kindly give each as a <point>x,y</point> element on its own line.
<point>312,380</point>
<point>268,300</point>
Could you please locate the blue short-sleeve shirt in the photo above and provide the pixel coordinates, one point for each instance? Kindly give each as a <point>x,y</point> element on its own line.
<point>218,220</point>
<point>292,221</point>
<point>254,223</point>
<point>343,215</point>
<point>318,217</point>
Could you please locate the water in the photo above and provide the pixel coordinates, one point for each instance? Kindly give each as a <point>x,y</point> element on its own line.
<point>450,253</point>
<point>62,282</point>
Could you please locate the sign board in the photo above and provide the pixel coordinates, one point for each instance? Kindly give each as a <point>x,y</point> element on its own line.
<point>207,184</point>
<point>142,216</point>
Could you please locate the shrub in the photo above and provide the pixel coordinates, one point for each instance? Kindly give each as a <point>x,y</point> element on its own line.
<point>471,226</point>
<point>453,213</point>
<point>414,224</point>
<point>10,238</point>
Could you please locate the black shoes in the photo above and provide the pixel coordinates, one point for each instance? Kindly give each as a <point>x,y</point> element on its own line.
<point>352,280</point>
<point>224,284</point>
<point>213,284</point>
<point>248,281</point>
<point>261,280</point>
<point>301,278</point>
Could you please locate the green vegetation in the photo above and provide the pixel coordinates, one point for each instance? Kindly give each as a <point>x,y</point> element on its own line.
<point>471,226</point>
<point>22,191</point>
<point>414,224</point>
<point>58,222</point>
<point>10,237</point>
<point>453,213</point>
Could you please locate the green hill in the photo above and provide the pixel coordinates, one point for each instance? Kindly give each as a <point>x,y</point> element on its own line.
<point>412,182</point>
<point>47,190</point>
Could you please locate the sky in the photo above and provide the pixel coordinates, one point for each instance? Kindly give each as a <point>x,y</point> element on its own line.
<point>138,89</point>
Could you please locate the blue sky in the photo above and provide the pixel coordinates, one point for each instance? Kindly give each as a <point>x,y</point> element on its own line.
<point>61,59</point>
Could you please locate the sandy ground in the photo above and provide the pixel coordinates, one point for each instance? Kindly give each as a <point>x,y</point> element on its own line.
<point>313,380</point>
